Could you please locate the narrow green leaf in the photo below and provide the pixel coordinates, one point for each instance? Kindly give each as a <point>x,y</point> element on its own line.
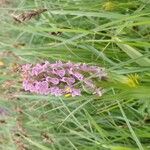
<point>132,53</point>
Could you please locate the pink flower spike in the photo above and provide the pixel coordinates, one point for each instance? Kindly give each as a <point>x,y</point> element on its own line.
<point>60,78</point>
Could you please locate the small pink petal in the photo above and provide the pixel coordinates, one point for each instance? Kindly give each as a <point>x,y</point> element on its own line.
<point>42,87</point>
<point>26,85</point>
<point>56,91</point>
<point>37,69</point>
<point>68,80</point>
<point>55,81</point>
<point>76,92</point>
<point>79,76</point>
<point>61,73</point>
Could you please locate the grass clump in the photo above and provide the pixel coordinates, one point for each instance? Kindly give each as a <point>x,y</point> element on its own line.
<point>113,34</point>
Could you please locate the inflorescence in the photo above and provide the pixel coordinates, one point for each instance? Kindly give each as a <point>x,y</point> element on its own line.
<point>68,79</point>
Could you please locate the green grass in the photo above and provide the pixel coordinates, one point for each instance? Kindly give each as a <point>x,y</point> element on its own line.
<point>113,34</point>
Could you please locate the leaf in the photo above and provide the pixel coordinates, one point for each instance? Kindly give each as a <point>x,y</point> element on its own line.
<point>132,53</point>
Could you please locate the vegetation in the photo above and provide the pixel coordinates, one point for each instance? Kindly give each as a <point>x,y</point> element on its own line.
<point>113,34</point>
